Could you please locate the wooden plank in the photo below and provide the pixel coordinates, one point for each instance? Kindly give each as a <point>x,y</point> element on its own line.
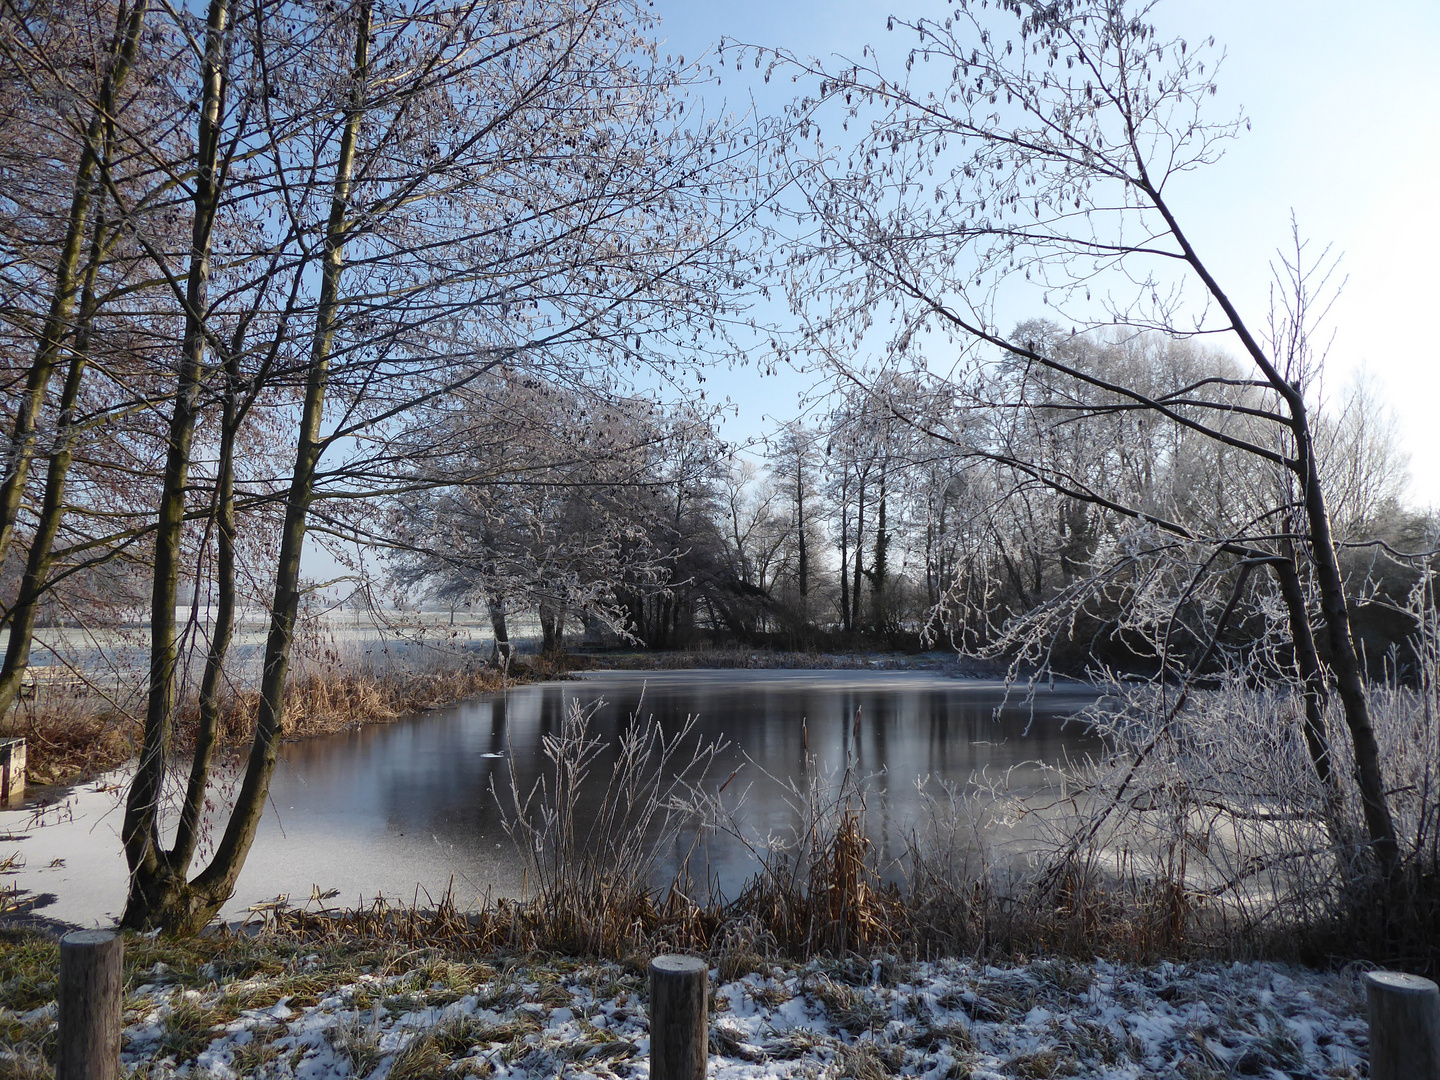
<point>12,772</point>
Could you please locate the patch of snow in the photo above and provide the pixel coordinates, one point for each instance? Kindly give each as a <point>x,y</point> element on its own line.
<point>934,1020</point>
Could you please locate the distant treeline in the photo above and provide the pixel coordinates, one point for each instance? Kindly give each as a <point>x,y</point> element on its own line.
<point>883,522</point>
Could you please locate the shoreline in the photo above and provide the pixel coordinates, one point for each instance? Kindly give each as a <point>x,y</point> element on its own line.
<point>77,735</point>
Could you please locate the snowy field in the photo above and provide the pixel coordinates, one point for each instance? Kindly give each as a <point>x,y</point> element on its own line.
<point>943,1021</point>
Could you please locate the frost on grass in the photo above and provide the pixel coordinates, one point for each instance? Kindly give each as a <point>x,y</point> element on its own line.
<point>868,1021</point>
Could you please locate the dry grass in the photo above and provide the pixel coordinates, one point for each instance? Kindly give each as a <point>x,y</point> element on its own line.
<point>591,871</point>
<point>71,732</point>
<point>819,888</point>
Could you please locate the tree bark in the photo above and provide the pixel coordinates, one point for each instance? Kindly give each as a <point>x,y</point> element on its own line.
<point>140,829</point>
<point>38,561</point>
<point>188,831</point>
<point>804,555</point>
<point>501,631</point>
<point>879,567</point>
<point>844,554</point>
<point>859,555</point>
<point>128,26</point>
<point>551,630</point>
<point>164,900</point>
<point>1307,663</point>
<point>1314,697</point>
<point>1344,663</point>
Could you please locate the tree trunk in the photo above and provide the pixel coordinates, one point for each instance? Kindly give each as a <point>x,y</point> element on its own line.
<point>804,556</point>
<point>859,559</point>
<point>880,567</point>
<point>1307,664</point>
<point>139,830</point>
<point>501,653</point>
<point>844,562</point>
<point>552,629</point>
<point>52,510</point>
<point>164,900</point>
<point>1313,695</point>
<point>189,828</point>
<point>129,24</point>
<point>1344,662</point>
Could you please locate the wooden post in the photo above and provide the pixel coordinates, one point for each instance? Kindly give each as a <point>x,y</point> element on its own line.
<point>1404,1026</point>
<point>679,1017</point>
<point>12,772</point>
<point>92,978</point>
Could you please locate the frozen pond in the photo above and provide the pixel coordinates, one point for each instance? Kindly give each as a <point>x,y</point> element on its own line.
<point>397,808</point>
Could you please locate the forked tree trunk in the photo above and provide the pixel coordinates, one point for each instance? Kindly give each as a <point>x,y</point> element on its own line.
<point>188,831</point>
<point>164,899</point>
<point>139,830</point>
<point>128,25</point>
<point>1313,696</point>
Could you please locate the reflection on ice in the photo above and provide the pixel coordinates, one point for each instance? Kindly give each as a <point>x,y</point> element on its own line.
<point>406,809</point>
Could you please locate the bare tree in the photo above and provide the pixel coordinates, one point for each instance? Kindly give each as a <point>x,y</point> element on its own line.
<point>96,110</point>
<point>1033,149</point>
<point>794,461</point>
<point>402,207</point>
<point>503,512</point>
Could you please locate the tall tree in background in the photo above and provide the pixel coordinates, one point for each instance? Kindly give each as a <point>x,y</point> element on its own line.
<point>504,513</point>
<point>794,463</point>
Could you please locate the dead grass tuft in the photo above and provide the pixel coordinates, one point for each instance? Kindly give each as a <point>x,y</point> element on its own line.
<point>861,1060</point>
<point>25,1062</point>
<point>358,1042</point>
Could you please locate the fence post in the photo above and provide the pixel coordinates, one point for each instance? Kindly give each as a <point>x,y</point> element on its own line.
<point>1404,1026</point>
<point>679,1017</point>
<point>92,978</point>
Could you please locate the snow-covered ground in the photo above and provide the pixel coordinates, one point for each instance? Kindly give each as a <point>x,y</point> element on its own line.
<point>944,1021</point>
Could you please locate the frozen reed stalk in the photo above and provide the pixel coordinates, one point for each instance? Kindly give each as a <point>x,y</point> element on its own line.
<point>92,975</point>
<point>679,1025</point>
<point>1404,1026</point>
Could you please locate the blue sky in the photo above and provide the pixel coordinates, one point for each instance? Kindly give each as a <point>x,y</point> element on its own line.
<point>1344,100</point>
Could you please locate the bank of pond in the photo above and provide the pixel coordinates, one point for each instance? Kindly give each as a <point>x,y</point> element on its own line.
<point>410,809</point>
